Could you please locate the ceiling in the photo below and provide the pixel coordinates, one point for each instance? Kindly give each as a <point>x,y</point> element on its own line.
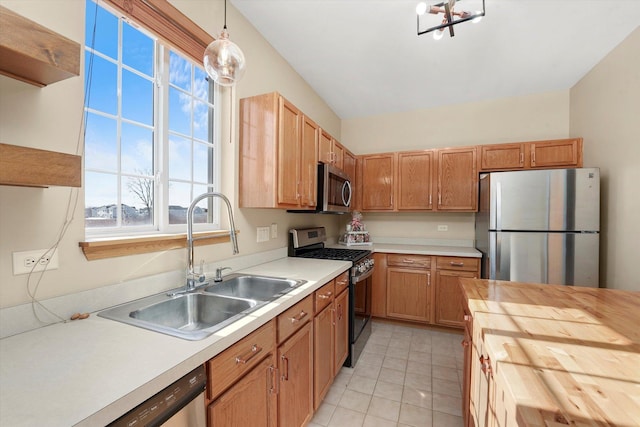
<point>363,57</point>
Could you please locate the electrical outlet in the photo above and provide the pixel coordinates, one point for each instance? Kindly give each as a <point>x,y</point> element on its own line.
<point>24,262</point>
<point>274,231</point>
<point>262,234</point>
<point>443,228</point>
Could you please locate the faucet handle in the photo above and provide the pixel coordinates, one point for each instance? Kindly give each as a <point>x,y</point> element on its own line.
<point>201,276</point>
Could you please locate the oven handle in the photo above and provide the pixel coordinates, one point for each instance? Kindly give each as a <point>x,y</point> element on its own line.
<point>356,279</point>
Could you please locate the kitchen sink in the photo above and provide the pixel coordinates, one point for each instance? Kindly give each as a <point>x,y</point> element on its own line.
<point>260,288</point>
<point>196,315</point>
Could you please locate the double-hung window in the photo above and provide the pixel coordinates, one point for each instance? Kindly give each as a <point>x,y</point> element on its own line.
<point>151,134</point>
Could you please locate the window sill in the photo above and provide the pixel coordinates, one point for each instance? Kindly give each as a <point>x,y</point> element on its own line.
<point>117,247</point>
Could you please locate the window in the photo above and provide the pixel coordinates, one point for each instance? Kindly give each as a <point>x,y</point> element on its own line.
<point>150,137</point>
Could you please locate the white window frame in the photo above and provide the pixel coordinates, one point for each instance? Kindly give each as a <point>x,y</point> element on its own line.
<point>161,142</point>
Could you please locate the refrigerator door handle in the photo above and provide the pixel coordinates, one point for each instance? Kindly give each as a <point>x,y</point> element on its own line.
<point>498,209</point>
<point>498,250</point>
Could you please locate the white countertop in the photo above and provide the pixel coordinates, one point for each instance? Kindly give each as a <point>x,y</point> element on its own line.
<point>89,372</point>
<point>423,250</point>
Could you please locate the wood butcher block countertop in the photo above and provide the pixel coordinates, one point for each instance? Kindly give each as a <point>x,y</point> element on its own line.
<point>567,355</point>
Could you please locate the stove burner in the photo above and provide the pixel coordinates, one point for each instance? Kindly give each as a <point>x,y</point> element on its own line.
<point>336,254</point>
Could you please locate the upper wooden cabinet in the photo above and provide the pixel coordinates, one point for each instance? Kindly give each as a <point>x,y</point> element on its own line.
<point>405,181</point>
<point>278,154</point>
<point>377,182</point>
<point>415,189</point>
<point>34,54</point>
<point>330,151</point>
<point>561,153</point>
<point>457,180</point>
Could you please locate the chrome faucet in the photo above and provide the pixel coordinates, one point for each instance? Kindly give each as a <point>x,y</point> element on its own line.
<point>192,276</point>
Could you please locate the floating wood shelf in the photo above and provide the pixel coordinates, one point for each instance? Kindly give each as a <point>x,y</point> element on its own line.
<point>34,54</point>
<point>30,167</point>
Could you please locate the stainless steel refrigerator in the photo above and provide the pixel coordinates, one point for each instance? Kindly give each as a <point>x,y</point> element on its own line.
<point>540,226</point>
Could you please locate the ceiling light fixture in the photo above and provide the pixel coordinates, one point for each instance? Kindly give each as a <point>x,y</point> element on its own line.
<point>223,59</point>
<point>443,15</point>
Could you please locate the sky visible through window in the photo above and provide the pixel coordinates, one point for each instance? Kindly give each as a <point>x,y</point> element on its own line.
<point>129,143</point>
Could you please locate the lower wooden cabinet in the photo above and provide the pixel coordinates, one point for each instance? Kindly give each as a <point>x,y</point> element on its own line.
<point>295,365</point>
<point>467,343</point>
<point>251,401</point>
<point>323,351</point>
<point>341,330</point>
<point>449,300</point>
<point>408,294</point>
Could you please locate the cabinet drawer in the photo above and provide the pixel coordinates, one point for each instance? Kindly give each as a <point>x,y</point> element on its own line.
<point>294,318</point>
<point>457,263</point>
<point>404,260</point>
<point>342,282</point>
<point>227,367</point>
<point>324,296</point>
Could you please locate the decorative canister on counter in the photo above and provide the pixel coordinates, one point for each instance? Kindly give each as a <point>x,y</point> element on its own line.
<point>357,233</point>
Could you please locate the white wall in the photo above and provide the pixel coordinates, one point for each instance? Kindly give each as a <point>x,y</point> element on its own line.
<point>525,118</point>
<point>49,118</point>
<point>605,110</point>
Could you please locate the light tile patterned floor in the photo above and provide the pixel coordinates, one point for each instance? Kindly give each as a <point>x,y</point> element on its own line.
<point>406,376</point>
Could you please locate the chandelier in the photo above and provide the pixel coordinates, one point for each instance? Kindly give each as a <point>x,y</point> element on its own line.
<point>446,14</point>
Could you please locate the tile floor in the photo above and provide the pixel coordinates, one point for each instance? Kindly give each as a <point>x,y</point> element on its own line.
<point>406,376</point>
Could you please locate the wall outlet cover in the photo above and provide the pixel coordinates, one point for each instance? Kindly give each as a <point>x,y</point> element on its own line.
<point>23,262</point>
<point>443,228</point>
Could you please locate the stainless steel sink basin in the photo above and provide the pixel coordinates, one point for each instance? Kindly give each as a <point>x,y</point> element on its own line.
<point>260,288</point>
<point>192,316</point>
<point>196,315</point>
<point>192,312</point>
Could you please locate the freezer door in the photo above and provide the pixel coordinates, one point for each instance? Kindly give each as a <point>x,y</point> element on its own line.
<point>555,258</point>
<point>545,200</point>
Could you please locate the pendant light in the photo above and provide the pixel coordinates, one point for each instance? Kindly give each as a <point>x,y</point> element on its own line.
<point>223,60</point>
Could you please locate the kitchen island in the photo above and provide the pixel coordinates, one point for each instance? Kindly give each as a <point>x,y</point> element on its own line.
<point>549,355</point>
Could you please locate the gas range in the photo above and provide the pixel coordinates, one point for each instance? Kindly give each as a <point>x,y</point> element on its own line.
<point>310,243</point>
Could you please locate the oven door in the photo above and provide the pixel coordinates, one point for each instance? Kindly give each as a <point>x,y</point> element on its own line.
<point>334,189</point>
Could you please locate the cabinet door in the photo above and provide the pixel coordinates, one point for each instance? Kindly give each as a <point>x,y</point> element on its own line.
<point>377,182</point>
<point>414,180</point>
<point>554,154</point>
<point>252,401</point>
<point>498,157</point>
<point>408,294</point>
<point>449,302</point>
<point>338,154</point>
<point>379,286</point>
<point>341,330</point>
<point>308,162</point>
<point>324,148</point>
<point>323,351</point>
<point>457,180</point>
<point>289,154</point>
<point>295,402</point>
<point>350,166</point>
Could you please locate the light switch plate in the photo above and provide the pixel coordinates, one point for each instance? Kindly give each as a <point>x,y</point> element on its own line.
<point>274,231</point>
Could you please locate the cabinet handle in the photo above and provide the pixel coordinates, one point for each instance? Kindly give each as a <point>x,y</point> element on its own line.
<point>439,199</point>
<point>533,157</point>
<point>285,368</point>
<point>485,364</point>
<point>429,279</point>
<point>521,158</point>
<point>456,264</point>
<point>273,386</point>
<point>467,317</point>
<point>299,317</point>
<point>339,312</point>
<point>408,261</point>
<point>247,357</point>
<point>429,199</point>
<point>333,316</point>
<point>325,296</point>
<point>464,343</point>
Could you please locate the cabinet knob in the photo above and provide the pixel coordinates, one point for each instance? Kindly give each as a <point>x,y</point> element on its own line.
<point>467,317</point>
<point>464,343</point>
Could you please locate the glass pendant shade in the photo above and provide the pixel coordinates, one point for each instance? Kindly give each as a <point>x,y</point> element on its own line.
<point>224,61</point>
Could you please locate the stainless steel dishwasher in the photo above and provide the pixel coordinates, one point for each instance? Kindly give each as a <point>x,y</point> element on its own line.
<point>179,405</point>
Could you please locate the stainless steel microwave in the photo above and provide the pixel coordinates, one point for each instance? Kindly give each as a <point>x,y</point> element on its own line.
<point>334,191</point>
